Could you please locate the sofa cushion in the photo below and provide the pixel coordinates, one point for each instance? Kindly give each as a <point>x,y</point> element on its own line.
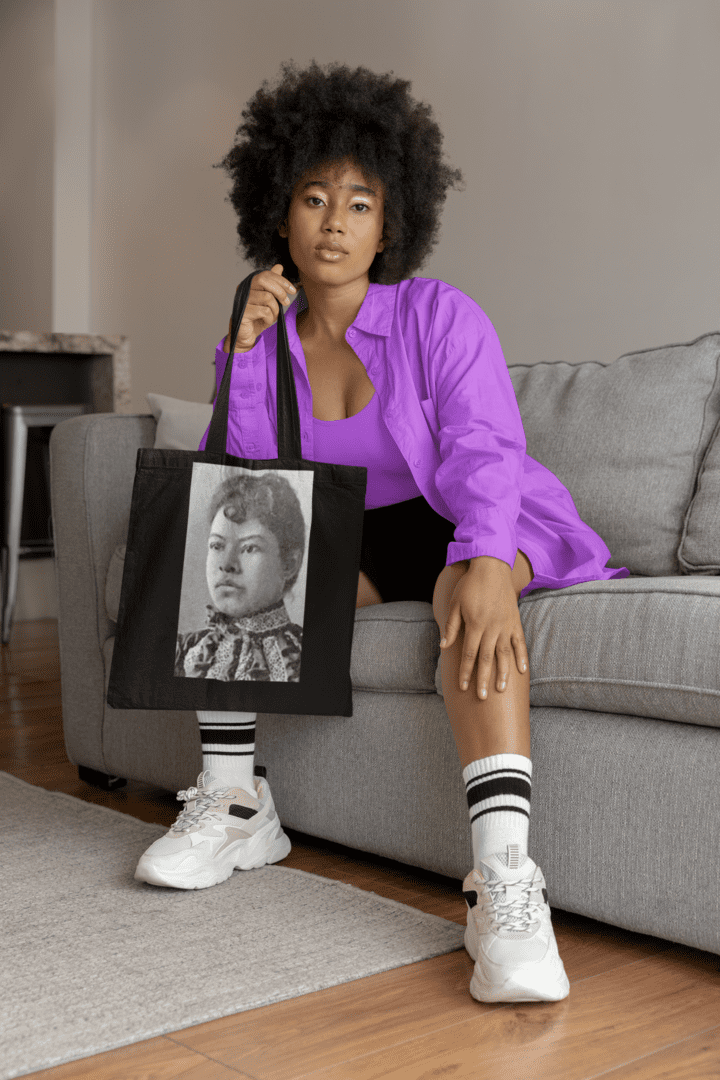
<point>635,646</point>
<point>395,646</point>
<point>180,424</point>
<point>628,439</point>
<point>700,549</point>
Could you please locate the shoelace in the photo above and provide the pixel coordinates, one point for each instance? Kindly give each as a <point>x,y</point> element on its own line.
<point>518,912</point>
<point>205,800</point>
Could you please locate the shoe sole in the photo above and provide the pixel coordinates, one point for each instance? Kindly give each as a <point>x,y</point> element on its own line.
<point>544,982</point>
<point>258,850</point>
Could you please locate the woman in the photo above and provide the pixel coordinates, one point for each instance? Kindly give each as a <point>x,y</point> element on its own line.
<point>338,182</point>
<point>255,549</point>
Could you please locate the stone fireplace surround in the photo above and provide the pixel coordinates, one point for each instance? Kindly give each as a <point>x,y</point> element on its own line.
<point>60,369</point>
<point>65,369</point>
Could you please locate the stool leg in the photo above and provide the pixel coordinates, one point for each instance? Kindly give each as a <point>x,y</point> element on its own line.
<point>15,452</point>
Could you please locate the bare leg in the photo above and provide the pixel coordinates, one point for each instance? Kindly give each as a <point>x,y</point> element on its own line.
<point>367,593</point>
<point>501,723</point>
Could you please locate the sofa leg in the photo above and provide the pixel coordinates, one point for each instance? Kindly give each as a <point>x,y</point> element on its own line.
<point>100,779</point>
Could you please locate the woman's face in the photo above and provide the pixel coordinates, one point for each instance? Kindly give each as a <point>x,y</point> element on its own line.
<point>244,569</point>
<point>335,224</point>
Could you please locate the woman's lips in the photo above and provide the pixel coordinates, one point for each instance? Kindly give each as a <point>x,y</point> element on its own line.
<point>329,256</point>
<point>228,585</point>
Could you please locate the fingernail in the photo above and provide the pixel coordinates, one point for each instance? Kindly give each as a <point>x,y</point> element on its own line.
<point>443,642</point>
<point>293,289</point>
<point>464,686</point>
<point>524,666</point>
<point>483,692</point>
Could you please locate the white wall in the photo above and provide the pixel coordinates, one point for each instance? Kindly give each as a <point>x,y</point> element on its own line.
<point>588,132</point>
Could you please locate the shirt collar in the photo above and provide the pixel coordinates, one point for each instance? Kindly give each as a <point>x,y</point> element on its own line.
<point>377,310</point>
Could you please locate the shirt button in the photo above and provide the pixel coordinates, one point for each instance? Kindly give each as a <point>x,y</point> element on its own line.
<point>258,386</point>
<point>244,394</point>
<point>251,446</point>
<point>305,434</point>
<point>418,464</point>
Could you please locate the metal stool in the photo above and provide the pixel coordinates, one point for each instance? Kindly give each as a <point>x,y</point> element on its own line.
<point>16,421</point>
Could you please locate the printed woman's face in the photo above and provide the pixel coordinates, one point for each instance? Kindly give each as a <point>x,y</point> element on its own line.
<point>244,569</point>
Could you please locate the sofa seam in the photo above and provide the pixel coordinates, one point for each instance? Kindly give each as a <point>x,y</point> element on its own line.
<point>393,690</point>
<point>569,680</point>
<point>625,592</point>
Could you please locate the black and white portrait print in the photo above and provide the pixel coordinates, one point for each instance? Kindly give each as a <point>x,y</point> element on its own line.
<point>242,601</point>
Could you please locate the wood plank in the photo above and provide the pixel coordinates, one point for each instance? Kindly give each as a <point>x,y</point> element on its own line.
<point>316,1030</point>
<point>14,690</point>
<point>644,1006</point>
<point>331,1026</point>
<point>696,1058</point>
<point>153,1059</point>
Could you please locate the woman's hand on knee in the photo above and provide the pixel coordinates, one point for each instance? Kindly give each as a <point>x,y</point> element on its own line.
<point>484,601</point>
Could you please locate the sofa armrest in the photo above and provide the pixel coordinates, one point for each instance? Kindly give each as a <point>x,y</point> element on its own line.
<point>92,470</point>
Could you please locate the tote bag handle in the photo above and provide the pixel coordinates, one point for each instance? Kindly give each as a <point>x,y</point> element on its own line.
<point>288,414</point>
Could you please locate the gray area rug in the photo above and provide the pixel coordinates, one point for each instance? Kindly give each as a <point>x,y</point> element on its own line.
<point>93,960</point>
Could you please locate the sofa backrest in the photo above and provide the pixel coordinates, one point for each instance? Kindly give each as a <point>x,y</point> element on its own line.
<point>637,444</point>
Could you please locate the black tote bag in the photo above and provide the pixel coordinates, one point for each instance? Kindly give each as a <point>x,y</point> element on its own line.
<point>186,547</point>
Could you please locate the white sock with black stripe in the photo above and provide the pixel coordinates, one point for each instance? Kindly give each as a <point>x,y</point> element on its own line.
<point>498,793</point>
<point>228,747</point>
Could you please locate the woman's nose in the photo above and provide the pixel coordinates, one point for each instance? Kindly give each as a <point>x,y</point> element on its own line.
<point>230,562</point>
<point>334,221</point>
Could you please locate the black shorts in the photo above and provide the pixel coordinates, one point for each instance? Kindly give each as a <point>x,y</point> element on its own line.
<point>404,548</point>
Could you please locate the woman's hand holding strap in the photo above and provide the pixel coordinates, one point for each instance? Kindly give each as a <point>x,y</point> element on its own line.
<point>268,290</point>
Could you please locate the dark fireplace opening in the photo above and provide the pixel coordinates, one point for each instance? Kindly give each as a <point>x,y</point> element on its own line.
<point>36,539</point>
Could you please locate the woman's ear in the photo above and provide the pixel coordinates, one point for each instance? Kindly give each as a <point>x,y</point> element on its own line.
<point>293,564</point>
<point>282,228</point>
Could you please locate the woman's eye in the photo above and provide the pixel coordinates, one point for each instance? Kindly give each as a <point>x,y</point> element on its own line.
<point>251,547</point>
<point>360,206</point>
<point>215,546</point>
<point>315,198</point>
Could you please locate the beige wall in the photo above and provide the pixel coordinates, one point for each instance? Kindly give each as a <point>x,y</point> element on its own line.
<point>26,172</point>
<point>588,132</point>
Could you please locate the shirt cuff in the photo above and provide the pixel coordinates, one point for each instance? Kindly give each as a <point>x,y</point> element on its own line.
<point>496,548</point>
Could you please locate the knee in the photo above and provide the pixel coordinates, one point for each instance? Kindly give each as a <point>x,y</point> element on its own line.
<point>367,592</point>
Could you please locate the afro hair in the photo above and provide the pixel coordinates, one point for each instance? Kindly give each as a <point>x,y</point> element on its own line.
<point>321,116</point>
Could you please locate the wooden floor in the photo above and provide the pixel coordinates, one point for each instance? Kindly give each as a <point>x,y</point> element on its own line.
<point>639,1008</point>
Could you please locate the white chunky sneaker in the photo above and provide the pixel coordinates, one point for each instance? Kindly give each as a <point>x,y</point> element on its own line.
<point>509,934</point>
<point>220,829</point>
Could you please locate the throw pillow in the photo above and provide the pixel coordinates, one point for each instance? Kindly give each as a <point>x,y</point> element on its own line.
<point>700,547</point>
<point>180,424</point>
<point>628,441</point>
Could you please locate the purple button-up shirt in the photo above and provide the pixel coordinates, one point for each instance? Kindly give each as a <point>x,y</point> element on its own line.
<point>435,361</point>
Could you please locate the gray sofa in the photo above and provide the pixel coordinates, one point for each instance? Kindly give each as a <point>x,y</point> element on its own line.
<point>625,674</point>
